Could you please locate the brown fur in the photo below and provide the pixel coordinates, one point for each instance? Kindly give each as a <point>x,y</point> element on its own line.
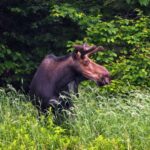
<point>55,74</point>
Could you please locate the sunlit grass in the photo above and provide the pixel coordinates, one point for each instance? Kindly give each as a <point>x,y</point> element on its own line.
<point>97,121</point>
<point>125,118</point>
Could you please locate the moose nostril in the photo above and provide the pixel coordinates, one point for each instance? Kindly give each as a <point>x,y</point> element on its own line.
<point>107,80</point>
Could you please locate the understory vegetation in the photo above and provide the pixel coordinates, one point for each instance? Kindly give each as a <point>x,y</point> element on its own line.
<point>97,121</point>
<point>32,29</point>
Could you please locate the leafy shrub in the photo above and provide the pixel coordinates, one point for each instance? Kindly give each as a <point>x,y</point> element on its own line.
<point>126,41</point>
<point>29,32</point>
<point>14,67</point>
<point>47,26</point>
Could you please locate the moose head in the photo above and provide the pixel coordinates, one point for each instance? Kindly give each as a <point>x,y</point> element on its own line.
<point>88,68</point>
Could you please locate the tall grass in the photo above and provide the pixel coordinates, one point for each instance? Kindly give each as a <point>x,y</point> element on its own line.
<point>97,121</point>
<point>123,120</point>
<point>20,127</point>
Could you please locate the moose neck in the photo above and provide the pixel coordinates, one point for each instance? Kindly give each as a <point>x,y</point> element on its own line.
<point>66,73</point>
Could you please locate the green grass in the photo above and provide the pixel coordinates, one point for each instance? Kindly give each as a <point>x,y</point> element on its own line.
<point>97,122</point>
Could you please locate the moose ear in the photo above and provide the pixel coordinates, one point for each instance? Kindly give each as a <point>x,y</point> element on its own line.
<point>77,51</point>
<point>77,55</point>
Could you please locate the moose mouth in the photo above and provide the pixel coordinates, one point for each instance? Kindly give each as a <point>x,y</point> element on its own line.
<point>100,82</point>
<point>103,82</point>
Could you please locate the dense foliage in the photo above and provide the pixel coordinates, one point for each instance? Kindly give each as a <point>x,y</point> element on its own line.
<point>126,40</point>
<point>105,122</point>
<point>28,32</point>
<point>30,29</point>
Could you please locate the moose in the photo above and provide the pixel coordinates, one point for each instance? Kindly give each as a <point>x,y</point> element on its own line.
<point>64,73</point>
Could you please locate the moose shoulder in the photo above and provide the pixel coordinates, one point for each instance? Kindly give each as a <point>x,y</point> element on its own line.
<point>57,74</point>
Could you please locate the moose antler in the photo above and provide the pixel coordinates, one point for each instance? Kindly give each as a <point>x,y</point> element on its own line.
<point>99,48</point>
<point>85,49</point>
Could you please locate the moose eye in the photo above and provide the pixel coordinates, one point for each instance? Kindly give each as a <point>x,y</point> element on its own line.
<point>86,62</point>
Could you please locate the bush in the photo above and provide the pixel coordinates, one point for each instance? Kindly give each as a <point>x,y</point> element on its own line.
<point>126,41</point>
<point>12,72</point>
<point>49,26</point>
